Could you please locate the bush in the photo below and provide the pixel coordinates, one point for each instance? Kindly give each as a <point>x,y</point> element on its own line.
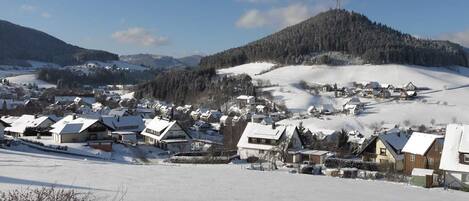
<point>45,194</point>
<point>350,163</point>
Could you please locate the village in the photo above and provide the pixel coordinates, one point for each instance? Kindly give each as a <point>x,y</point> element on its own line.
<point>108,123</point>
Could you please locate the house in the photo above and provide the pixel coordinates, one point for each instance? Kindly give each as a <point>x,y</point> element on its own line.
<point>386,149</point>
<point>119,112</point>
<point>422,177</point>
<point>64,100</point>
<point>29,125</point>
<point>407,95</point>
<point>81,129</point>
<point>3,125</point>
<point>167,135</point>
<point>268,142</point>
<point>211,116</point>
<point>310,156</point>
<point>133,124</point>
<point>455,156</point>
<point>353,106</point>
<point>410,87</point>
<point>245,100</point>
<point>422,151</point>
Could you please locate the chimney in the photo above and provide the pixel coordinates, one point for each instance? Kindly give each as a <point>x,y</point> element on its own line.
<point>273,125</point>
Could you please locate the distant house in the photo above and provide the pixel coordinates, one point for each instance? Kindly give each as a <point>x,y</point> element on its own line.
<point>455,156</point>
<point>29,125</point>
<point>245,100</point>
<point>133,124</point>
<point>410,87</point>
<point>167,135</point>
<point>353,106</point>
<point>119,112</point>
<point>422,151</point>
<point>268,141</point>
<point>61,100</point>
<point>211,116</point>
<point>3,125</point>
<point>386,149</point>
<point>408,95</point>
<point>81,129</point>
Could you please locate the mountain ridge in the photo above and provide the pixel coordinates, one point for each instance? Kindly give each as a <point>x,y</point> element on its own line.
<point>19,43</point>
<point>344,32</point>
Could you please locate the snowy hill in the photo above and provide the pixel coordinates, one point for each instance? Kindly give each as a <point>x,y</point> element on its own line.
<point>443,102</point>
<point>156,61</point>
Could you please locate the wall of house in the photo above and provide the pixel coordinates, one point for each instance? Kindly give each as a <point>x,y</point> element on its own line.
<point>245,153</point>
<point>431,159</point>
<point>388,157</point>
<point>79,137</point>
<point>175,131</point>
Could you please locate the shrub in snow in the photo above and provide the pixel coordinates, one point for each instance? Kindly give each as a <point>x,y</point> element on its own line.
<point>349,163</point>
<point>45,194</point>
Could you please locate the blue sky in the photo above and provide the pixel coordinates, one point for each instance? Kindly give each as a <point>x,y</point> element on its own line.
<point>186,27</point>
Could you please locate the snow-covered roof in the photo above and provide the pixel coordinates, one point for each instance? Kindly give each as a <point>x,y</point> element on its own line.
<point>394,141</point>
<point>421,172</point>
<point>245,97</point>
<point>124,123</point>
<point>455,134</point>
<point>26,121</point>
<point>257,130</point>
<point>419,143</point>
<point>74,126</point>
<point>162,126</point>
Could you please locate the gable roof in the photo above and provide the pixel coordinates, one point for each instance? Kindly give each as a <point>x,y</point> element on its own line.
<point>419,143</point>
<point>122,123</point>
<point>161,126</point>
<point>26,121</point>
<point>454,142</point>
<point>75,126</point>
<point>394,141</point>
<point>257,130</point>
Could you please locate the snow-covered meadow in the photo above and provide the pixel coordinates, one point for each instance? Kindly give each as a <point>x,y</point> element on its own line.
<point>445,102</point>
<point>195,182</point>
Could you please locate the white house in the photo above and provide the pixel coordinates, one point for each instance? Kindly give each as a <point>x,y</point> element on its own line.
<point>167,135</point>
<point>262,141</point>
<point>80,129</point>
<point>20,125</point>
<point>455,156</point>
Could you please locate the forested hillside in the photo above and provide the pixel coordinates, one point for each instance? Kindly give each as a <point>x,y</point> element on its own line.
<point>340,31</point>
<point>199,86</point>
<point>18,44</point>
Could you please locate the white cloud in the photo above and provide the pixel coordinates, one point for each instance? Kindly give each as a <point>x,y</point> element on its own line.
<point>28,8</point>
<point>31,9</point>
<point>46,15</point>
<point>280,17</point>
<point>139,36</point>
<point>457,37</point>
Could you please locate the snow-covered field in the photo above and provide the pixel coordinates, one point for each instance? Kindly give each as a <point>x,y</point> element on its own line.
<point>196,182</point>
<point>29,79</point>
<point>444,103</point>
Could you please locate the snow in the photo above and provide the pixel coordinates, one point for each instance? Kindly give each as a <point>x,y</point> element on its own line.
<point>196,182</point>
<point>453,141</point>
<point>29,79</point>
<point>421,172</point>
<point>419,143</point>
<point>447,97</point>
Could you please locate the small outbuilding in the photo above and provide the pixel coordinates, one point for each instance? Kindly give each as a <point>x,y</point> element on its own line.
<point>422,177</point>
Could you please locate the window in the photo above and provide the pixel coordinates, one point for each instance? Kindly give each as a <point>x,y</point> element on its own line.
<point>466,158</point>
<point>263,141</point>
<point>382,151</point>
<point>412,157</point>
<point>261,151</point>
